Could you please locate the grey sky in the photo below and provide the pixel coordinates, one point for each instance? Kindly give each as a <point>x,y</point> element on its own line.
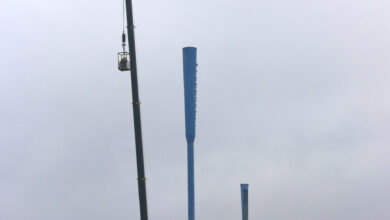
<point>292,98</point>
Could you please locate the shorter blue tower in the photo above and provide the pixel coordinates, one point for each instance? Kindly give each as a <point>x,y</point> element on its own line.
<point>244,201</point>
<point>189,75</point>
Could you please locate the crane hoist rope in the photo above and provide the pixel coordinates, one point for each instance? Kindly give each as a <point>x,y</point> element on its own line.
<point>123,16</point>
<point>123,27</point>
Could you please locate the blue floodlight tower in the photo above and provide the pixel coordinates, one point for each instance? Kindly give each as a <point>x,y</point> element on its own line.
<point>244,201</point>
<point>189,73</point>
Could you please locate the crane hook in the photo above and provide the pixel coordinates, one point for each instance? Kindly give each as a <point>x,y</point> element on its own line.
<point>124,41</point>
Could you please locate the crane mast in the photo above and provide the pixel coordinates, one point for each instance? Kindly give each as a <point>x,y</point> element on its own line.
<point>136,113</point>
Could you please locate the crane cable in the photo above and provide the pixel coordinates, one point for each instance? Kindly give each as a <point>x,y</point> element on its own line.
<point>123,15</point>
<point>123,27</point>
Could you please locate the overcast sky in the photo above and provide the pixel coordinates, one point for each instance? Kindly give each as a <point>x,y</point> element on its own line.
<point>293,98</point>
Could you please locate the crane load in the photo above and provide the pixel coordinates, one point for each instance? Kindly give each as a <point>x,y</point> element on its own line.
<point>123,57</point>
<point>123,61</point>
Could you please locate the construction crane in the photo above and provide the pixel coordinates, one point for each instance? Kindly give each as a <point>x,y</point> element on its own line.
<point>127,61</point>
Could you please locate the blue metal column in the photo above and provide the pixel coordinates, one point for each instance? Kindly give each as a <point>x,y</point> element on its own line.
<point>244,201</point>
<point>189,73</point>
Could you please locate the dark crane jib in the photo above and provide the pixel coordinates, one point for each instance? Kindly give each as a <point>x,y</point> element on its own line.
<point>136,110</point>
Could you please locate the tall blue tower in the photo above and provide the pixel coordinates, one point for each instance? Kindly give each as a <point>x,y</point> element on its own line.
<point>189,72</point>
<point>244,201</point>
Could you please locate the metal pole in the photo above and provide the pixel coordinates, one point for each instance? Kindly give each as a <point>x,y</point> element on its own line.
<point>137,114</point>
<point>244,201</point>
<point>191,183</point>
<point>189,75</point>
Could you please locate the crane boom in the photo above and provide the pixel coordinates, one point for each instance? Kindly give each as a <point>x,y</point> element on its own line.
<point>136,113</point>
